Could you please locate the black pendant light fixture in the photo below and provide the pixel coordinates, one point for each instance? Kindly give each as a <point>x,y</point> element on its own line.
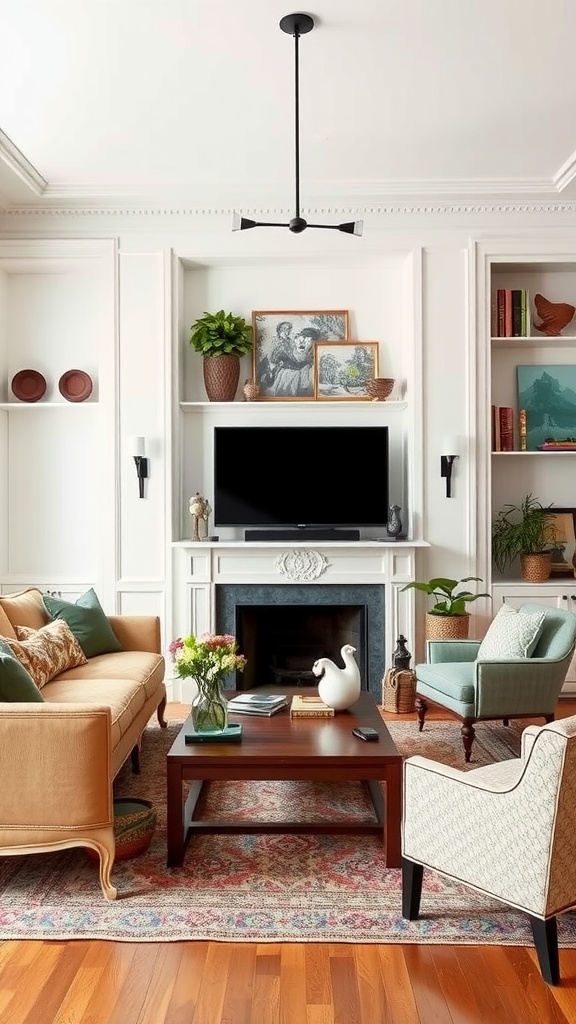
<point>296,25</point>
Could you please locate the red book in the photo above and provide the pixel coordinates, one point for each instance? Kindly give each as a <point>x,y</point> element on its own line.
<point>506,416</point>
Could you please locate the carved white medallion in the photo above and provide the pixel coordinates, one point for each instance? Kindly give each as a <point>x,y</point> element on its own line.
<point>301,564</point>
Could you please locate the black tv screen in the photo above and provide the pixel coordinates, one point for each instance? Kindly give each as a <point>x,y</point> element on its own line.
<point>301,476</point>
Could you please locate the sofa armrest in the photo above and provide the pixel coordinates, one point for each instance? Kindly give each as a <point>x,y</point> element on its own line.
<point>55,766</point>
<point>137,632</point>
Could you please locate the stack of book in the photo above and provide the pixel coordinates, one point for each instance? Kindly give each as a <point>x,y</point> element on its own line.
<point>257,703</point>
<point>504,431</point>
<point>309,707</point>
<point>511,316</point>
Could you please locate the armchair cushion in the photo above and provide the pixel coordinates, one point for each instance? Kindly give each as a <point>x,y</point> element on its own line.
<point>456,679</point>
<point>46,652</point>
<point>511,634</point>
<point>16,684</point>
<point>88,622</point>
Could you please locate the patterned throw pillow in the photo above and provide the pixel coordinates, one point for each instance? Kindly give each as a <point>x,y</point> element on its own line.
<point>511,634</point>
<point>47,651</point>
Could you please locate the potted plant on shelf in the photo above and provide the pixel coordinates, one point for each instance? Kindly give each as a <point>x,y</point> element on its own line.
<point>447,619</point>
<point>524,531</point>
<point>221,338</point>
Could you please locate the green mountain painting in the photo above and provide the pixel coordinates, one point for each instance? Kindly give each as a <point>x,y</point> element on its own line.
<point>548,393</point>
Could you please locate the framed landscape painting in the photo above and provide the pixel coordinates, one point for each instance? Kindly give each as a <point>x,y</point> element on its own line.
<point>343,371</point>
<point>283,350</point>
<point>548,394</point>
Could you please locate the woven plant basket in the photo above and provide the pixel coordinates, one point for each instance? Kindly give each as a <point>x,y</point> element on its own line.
<point>447,627</point>
<point>536,568</point>
<point>221,375</point>
<point>399,690</point>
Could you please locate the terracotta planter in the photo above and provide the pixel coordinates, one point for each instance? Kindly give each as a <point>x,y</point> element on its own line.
<point>221,375</point>
<point>536,568</point>
<point>447,627</point>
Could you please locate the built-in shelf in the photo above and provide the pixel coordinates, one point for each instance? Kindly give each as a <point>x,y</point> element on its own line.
<point>535,342</point>
<point>540,454</point>
<point>12,406</point>
<point>384,543</point>
<point>293,404</point>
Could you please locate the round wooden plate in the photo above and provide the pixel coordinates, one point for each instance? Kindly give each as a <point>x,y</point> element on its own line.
<point>75,385</point>
<point>28,385</point>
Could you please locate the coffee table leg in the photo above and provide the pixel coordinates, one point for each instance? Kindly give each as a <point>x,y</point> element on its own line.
<point>174,817</point>
<point>392,827</point>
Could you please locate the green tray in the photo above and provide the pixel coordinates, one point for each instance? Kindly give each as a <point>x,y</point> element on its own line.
<point>231,734</point>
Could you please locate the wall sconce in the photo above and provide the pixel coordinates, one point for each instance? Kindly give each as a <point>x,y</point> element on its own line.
<point>137,447</point>
<point>450,444</point>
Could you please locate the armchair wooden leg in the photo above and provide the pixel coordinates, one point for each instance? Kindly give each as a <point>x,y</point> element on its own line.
<point>135,758</point>
<point>421,709</point>
<point>468,733</point>
<point>548,719</point>
<point>546,942</point>
<point>506,721</point>
<point>412,875</point>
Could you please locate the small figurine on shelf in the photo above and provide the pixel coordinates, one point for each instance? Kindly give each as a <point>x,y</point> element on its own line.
<point>199,510</point>
<point>554,316</point>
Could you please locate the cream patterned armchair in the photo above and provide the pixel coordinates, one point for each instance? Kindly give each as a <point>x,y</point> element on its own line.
<point>507,830</point>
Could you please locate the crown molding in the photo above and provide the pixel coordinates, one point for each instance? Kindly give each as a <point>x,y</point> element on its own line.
<point>390,209</point>
<point>15,161</point>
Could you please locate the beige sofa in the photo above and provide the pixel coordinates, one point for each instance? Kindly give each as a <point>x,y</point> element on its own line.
<point>58,759</point>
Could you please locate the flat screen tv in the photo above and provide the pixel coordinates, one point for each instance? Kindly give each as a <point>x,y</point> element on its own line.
<point>304,478</point>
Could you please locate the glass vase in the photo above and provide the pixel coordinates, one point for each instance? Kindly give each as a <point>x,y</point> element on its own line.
<point>210,709</point>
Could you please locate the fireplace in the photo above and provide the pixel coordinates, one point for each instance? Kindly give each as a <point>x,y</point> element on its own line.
<point>282,629</point>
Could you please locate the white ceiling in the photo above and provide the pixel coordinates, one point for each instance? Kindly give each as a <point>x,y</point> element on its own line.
<point>189,102</point>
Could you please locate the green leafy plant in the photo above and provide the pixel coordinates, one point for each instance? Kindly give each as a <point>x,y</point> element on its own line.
<point>447,600</point>
<point>524,529</point>
<point>221,333</point>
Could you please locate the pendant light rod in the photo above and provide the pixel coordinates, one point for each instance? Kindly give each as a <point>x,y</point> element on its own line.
<point>296,25</point>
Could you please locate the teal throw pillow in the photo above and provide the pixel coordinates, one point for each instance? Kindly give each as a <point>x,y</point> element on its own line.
<point>16,684</point>
<point>88,622</point>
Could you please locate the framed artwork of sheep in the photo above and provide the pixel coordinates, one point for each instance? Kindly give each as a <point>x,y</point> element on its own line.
<point>343,371</point>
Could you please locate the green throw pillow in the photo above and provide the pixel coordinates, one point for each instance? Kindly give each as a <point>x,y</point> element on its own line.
<point>88,622</point>
<point>16,684</point>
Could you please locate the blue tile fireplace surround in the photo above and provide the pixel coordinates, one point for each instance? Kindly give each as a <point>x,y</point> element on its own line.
<point>283,628</point>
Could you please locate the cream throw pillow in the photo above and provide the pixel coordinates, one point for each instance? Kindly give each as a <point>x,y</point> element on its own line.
<point>511,634</point>
<point>47,651</point>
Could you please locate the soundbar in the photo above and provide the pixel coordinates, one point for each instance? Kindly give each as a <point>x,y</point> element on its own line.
<point>302,534</point>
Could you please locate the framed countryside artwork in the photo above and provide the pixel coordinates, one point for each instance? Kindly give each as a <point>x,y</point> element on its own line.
<point>343,371</point>
<point>548,394</point>
<point>283,350</point>
<point>563,529</point>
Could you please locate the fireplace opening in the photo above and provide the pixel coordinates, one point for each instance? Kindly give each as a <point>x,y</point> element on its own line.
<point>282,642</point>
<point>308,621</point>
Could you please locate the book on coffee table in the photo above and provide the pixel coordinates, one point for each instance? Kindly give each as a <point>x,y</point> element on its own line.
<point>257,704</point>
<point>309,707</point>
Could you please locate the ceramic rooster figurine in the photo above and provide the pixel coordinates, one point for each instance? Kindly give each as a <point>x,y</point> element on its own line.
<point>339,688</point>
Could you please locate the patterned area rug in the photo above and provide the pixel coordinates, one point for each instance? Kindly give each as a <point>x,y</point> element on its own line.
<point>262,888</point>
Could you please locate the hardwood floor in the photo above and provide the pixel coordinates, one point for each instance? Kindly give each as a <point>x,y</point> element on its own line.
<point>240,983</point>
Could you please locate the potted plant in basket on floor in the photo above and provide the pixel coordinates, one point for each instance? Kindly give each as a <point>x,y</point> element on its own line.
<point>221,338</point>
<point>525,531</point>
<point>447,619</point>
<point>207,660</point>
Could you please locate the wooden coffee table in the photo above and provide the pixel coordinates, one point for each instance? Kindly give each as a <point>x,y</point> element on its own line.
<point>294,749</point>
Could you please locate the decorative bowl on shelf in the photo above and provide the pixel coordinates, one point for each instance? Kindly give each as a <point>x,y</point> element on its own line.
<point>28,385</point>
<point>379,388</point>
<point>75,385</point>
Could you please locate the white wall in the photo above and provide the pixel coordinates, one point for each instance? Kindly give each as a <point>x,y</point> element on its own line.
<point>407,284</point>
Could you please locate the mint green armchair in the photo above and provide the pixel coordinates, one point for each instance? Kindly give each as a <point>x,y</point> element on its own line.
<point>454,678</point>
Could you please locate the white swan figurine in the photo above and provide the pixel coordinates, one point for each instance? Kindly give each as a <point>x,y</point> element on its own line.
<point>339,688</point>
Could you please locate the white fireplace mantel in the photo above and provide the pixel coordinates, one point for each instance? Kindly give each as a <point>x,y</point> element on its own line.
<point>199,567</point>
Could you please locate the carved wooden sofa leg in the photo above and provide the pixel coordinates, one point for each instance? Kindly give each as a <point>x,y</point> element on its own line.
<point>421,709</point>
<point>160,712</point>
<point>135,758</point>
